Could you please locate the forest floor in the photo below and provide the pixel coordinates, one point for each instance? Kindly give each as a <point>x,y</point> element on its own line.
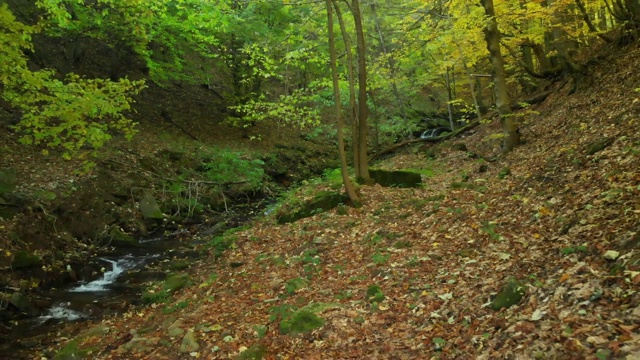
<point>412,272</point>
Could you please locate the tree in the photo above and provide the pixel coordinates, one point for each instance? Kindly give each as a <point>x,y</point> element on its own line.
<point>492,35</point>
<point>349,188</point>
<point>361,139</point>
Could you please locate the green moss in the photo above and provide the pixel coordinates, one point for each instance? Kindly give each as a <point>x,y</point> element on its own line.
<point>510,295</point>
<point>300,321</point>
<point>24,260</point>
<point>255,352</point>
<point>374,294</point>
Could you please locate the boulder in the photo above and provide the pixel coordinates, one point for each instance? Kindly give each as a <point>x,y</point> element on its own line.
<point>396,178</point>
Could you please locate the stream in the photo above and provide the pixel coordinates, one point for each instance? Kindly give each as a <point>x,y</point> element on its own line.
<point>119,280</point>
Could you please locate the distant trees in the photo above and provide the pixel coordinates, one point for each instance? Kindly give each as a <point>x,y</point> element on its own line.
<point>268,60</point>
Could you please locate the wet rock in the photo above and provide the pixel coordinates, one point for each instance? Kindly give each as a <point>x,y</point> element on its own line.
<point>121,239</point>
<point>23,304</point>
<point>189,343</point>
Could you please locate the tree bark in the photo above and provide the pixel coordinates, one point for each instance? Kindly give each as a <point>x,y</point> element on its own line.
<point>348,185</point>
<point>492,36</point>
<point>362,172</point>
<point>353,110</point>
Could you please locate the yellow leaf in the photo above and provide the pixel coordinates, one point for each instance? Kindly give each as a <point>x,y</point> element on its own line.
<point>435,244</point>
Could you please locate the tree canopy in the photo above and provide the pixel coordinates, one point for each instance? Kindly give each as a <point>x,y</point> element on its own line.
<point>268,59</point>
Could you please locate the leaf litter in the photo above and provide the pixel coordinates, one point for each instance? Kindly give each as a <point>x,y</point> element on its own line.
<point>553,224</point>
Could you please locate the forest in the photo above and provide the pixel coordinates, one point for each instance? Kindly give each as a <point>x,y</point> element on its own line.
<point>331,179</point>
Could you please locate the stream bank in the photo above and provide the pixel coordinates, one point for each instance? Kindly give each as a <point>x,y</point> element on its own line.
<point>131,217</point>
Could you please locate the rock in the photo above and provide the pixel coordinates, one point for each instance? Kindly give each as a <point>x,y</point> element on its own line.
<point>8,180</point>
<point>598,146</point>
<point>396,178</point>
<point>23,304</point>
<point>510,295</point>
<point>24,260</point>
<point>149,207</point>
<point>214,230</point>
<point>175,329</point>
<point>255,352</point>
<point>120,239</point>
<point>175,283</point>
<point>189,343</point>
<point>323,201</point>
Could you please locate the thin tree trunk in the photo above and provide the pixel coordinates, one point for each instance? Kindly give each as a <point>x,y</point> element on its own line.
<point>363,112</point>
<point>353,110</point>
<point>492,36</point>
<point>348,185</point>
<point>449,100</point>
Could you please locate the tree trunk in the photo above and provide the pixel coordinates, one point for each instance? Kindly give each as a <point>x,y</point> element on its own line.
<point>353,110</point>
<point>348,185</point>
<point>492,36</point>
<point>362,172</point>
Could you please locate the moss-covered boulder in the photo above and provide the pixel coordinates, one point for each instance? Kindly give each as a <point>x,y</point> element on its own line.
<point>120,239</point>
<point>24,260</point>
<point>8,180</point>
<point>510,295</point>
<point>149,207</point>
<point>396,178</point>
<point>323,201</point>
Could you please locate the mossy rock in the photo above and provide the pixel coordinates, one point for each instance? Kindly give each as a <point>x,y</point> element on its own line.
<point>301,321</point>
<point>149,207</point>
<point>510,295</point>
<point>503,173</point>
<point>8,180</point>
<point>396,178</point>
<point>175,282</point>
<point>598,146</point>
<point>255,352</point>
<point>120,239</point>
<point>24,260</point>
<point>323,201</point>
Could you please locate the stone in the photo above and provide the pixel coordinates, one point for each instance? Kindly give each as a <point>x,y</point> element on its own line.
<point>396,178</point>
<point>510,295</point>
<point>22,304</point>
<point>8,180</point>
<point>189,343</point>
<point>149,207</point>
<point>24,260</point>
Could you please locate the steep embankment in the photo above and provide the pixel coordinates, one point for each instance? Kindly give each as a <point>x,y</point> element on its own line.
<point>412,273</point>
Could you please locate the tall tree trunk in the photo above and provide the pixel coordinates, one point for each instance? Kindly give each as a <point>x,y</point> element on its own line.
<point>362,172</point>
<point>348,185</point>
<point>492,36</point>
<point>449,99</point>
<point>353,110</point>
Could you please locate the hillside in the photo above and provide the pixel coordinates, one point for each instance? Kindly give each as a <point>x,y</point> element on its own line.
<point>412,273</point>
